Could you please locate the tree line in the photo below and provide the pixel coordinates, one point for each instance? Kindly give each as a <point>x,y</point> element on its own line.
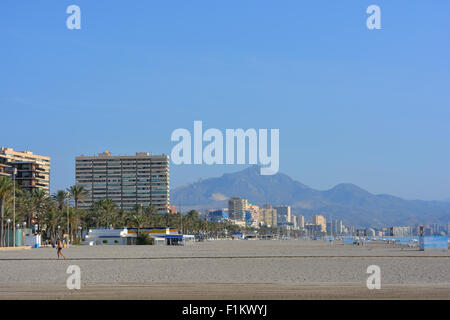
<point>59,213</point>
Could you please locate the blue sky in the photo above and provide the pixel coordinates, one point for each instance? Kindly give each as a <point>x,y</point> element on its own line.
<point>352,105</point>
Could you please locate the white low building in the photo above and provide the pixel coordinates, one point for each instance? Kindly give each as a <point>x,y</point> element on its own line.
<point>127,236</point>
<point>106,236</point>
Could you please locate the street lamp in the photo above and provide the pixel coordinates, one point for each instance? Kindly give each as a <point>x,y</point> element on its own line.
<point>23,232</point>
<point>14,206</point>
<point>68,224</point>
<point>7,225</point>
<point>17,227</point>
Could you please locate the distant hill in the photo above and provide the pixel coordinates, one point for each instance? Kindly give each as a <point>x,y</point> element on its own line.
<point>345,201</point>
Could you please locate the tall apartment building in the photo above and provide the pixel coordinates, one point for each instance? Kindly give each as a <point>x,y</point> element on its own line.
<point>5,170</point>
<point>283,215</point>
<point>319,220</point>
<point>32,170</point>
<point>269,215</point>
<point>294,222</point>
<point>237,208</point>
<point>301,221</point>
<point>127,180</point>
<point>255,213</point>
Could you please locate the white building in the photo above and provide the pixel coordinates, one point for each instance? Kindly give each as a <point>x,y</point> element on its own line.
<point>400,231</point>
<point>127,236</point>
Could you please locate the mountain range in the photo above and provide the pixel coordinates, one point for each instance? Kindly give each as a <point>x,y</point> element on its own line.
<point>346,201</point>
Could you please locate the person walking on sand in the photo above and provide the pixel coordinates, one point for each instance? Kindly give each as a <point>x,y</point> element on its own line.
<point>59,247</point>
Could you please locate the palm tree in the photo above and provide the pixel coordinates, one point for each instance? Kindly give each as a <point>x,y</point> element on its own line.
<point>61,198</point>
<point>6,190</point>
<point>72,219</point>
<point>105,209</point>
<point>40,200</point>
<point>123,219</point>
<point>77,192</point>
<point>139,222</point>
<point>25,206</point>
<point>51,218</point>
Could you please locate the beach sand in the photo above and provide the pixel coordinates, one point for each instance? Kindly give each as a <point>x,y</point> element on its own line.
<point>227,269</point>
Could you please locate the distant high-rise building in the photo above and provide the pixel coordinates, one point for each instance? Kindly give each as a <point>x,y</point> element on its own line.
<point>283,215</point>
<point>339,227</point>
<point>269,216</point>
<point>320,221</point>
<point>255,213</point>
<point>301,221</point>
<point>237,208</point>
<point>294,222</point>
<point>32,170</point>
<point>127,180</point>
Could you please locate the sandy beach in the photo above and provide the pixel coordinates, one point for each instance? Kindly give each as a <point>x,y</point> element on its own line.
<point>227,269</point>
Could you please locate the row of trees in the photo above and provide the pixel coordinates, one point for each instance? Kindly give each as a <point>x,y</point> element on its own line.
<point>51,214</point>
<point>54,215</point>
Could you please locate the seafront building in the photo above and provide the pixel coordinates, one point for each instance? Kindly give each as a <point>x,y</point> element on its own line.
<point>269,216</point>
<point>400,231</point>
<point>127,180</point>
<point>284,216</point>
<point>294,222</point>
<point>128,236</point>
<point>237,208</point>
<point>320,221</point>
<point>255,215</point>
<point>301,222</point>
<point>32,170</point>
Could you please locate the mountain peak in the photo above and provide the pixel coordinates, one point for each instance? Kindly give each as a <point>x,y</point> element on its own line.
<point>345,201</point>
<point>348,187</point>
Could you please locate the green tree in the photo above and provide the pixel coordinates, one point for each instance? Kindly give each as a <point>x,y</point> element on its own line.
<point>51,218</point>
<point>106,211</point>
<point>40,200</point>
<point>61,197</point>
<point>6,190</point>
<point>77,193</point>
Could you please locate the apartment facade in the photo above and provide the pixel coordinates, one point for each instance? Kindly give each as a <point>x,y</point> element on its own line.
<point>320,221</point>
<point>32,170</point>
<point>269,216</point>
<point>127,180</point>
<point>301,221</point>
<point>237,208</point>
<point>283,215</point>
